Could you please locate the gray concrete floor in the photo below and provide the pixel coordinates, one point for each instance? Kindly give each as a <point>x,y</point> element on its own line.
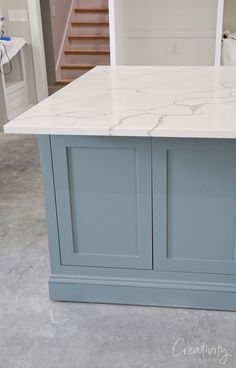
<point>36,332</point>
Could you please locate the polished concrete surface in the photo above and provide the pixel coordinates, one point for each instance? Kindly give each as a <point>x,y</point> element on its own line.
<point>36,332</point>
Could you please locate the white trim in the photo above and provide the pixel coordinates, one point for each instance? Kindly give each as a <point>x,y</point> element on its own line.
<point>64,38</point>
<point>36,30</point>
<point>22,59</point>
<point>112,31</point>
<point>219,30</point>
<point>3,102</point>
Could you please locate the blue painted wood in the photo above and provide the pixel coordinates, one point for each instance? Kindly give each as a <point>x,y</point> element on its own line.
<point>50,202</point>
<point>193,214</point>
<point>143,292</point>
<point>103,192</point>
<point>194,205</point>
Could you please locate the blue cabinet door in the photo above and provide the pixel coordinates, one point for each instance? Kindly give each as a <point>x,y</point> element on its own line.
<point>103,196</point>
<point>194,205</point>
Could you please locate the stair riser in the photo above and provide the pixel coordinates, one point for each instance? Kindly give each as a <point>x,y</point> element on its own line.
<point>72,74</point>
<point>91,17</point>
<point>60,84</point>
<point>93,3</point>
<point>87,59</point>
<point>89,44</point>
<point>90,30</point>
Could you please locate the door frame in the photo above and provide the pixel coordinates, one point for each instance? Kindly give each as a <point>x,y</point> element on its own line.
<point>219,30</point>
<point>36,30</point>
<point>39,51</point>
<point>112,30</point>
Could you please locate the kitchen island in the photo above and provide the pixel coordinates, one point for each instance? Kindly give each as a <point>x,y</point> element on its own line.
<point>139,171</point>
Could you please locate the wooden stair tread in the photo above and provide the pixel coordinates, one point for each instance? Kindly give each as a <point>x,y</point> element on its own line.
<point>91,10</point>
<point>86,52</point>
<point>102,23</point>
<point>77,66</point>
<point>63,82</point>
<point>87,37</point>
<point>86,64</point>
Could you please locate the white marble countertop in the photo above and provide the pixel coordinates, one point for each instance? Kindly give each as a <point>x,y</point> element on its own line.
<point>198,102</point>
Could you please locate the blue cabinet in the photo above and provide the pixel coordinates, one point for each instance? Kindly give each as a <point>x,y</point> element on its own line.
<point>103,196</point>
<point>194,205</point>
<point>141,220</point>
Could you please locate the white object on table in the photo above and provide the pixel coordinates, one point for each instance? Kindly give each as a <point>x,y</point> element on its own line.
<point>15,91</point>
<point>229,50</point>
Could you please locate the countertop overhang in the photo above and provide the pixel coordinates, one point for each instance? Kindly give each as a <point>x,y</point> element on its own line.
<point>192,102</point>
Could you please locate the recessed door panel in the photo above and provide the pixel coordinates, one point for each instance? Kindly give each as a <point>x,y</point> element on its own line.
<point>195,205</point>
<point>103,194</point>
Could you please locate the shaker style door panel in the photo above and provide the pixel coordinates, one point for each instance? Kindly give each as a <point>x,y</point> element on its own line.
<point>194,205</point>
<point>103,196</point>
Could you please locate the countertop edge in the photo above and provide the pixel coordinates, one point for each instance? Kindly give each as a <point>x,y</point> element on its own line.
<point>123,133</point>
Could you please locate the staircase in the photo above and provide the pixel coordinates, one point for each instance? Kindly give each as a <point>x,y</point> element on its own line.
<point>87,40</point>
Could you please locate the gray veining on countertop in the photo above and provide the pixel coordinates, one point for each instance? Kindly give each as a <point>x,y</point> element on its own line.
<point>139,101</point>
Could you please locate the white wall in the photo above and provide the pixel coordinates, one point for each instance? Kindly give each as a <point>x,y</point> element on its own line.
<point>229,15</point>
<point>170,32</point>
<point>59,13</point>
<point>21,29</point>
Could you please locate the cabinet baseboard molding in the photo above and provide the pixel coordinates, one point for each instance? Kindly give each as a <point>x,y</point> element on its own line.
<point>215,296</point>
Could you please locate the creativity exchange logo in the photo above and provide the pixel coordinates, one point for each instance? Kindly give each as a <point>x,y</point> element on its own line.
<point>203,350</point>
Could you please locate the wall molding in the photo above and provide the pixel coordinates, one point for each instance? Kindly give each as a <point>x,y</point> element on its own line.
<point>170,33</point>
